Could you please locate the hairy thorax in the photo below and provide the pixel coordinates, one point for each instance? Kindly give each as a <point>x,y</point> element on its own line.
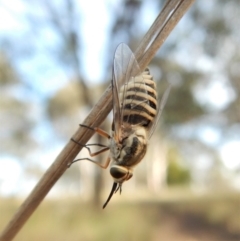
<point>132,149</point>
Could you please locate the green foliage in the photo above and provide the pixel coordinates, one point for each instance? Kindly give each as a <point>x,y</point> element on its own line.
<point>177,174</point>
<point>181,105</point>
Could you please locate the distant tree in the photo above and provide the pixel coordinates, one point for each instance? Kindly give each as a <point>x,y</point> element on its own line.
<point>202,48</point>
<point>177,172</point>
<point>15,112</point>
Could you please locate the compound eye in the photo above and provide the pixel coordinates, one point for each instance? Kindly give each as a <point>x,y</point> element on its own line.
<point>129,176</point>
<point>118,172</point>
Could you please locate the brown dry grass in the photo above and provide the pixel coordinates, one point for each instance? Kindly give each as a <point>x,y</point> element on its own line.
<point>189,218</point>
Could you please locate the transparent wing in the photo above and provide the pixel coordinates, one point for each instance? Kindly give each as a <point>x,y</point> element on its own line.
<point>161,105</point>
<point>125,67</point>
<point>135,101</point>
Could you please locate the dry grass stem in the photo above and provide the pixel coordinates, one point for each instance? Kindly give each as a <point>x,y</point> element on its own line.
<point>163,25</point>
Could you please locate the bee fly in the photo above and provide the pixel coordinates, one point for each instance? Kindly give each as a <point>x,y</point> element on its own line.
<point>135,115</point>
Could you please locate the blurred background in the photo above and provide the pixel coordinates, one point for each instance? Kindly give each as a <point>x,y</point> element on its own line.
<point>56,61</point>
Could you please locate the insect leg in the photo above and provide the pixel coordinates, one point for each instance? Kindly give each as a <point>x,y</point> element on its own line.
<point>104,166</point>
<point>98,130</point>
<point>106,148</point>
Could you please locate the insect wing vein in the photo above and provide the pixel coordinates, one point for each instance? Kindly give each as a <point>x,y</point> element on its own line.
<point>161,105</point>
<point>116,108</point>
<point>125,68</point>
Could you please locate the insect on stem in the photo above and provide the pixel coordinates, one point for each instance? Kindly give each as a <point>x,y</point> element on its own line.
<point>96,117</point>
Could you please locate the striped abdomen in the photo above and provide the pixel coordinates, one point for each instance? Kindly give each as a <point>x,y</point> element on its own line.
<point>139,100</point>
